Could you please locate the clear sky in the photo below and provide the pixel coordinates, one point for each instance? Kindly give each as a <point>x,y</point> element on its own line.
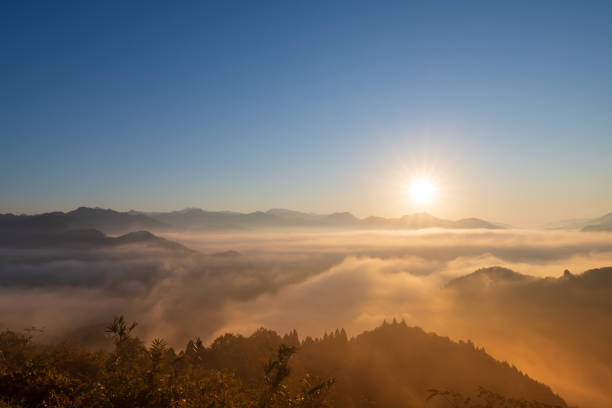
<point>316,106</point>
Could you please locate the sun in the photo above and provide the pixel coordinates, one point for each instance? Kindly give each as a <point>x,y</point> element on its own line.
<point>422,191</point>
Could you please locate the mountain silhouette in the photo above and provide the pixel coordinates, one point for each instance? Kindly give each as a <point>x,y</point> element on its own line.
<point>111,221</point>
<point>83,226</point>
<point>507,279</point>
<point>105,220</point>
<point>197,219</point>
<point>552,325</point>
<point>86,239</point>
<point>390,366</point>
<point>148,239</point>
<point>295,215</point>
<point>603,223</point>
<point>487,277</point>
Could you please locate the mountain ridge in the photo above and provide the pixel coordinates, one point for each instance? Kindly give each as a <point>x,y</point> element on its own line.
<point>282,218</point>
<point>106,220</point>
<point>601,223</point>
<point>499,276</point>
<point>196,219</point>
<point>88,239</point>
<point>393,364</point>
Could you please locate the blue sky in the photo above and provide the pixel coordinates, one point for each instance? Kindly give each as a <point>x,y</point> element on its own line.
<point>316,106</point>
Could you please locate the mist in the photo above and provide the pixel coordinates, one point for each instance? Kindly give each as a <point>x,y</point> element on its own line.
<point>316,282</point>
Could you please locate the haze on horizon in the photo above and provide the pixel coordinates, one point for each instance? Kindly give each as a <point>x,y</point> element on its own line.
<point>320,107</point>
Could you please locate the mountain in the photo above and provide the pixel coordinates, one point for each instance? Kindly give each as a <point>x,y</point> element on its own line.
<point>486,278</point>
<point>556,328</point>
<point>197,219</point>
<point>86,239</point>
<point>469,223</point>
<point>605,219</point>
<point>603,223</point>
<point>54,221</point>
<point>599,227</point>
<point>535,289</point>
<point>294,215</point>
<point>147,239</point>
<point>341,219</point>
<point>111,221</point>
<point>391,366</point>
<point>107,221</point>
<point>572,224</point>
<point>83,226</point>
<point>421,220</point>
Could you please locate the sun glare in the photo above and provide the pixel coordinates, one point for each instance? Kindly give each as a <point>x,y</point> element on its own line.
<point>422,191</point>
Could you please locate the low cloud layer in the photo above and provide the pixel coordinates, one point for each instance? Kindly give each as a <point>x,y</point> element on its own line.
<point>309,281</point>
<point>314,282</point>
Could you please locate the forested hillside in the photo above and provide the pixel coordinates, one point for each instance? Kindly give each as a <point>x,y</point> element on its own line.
<point>391,366</point>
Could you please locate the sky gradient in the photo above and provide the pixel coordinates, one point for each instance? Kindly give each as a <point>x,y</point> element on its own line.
<point>314,106</point>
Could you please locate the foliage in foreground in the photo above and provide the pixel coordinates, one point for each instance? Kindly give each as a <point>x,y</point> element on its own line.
<point>483,399</point>
<point>132,375</point>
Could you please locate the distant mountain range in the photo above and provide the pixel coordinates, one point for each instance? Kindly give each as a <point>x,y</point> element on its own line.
<point>195,219</point>
<point>87,227</point>
<point>603,223</point>
<point>83,227</point>
<point>108,221</point>
<point>600,224</point>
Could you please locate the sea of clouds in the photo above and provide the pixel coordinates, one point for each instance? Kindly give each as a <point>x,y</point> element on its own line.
<point>312,281</point>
